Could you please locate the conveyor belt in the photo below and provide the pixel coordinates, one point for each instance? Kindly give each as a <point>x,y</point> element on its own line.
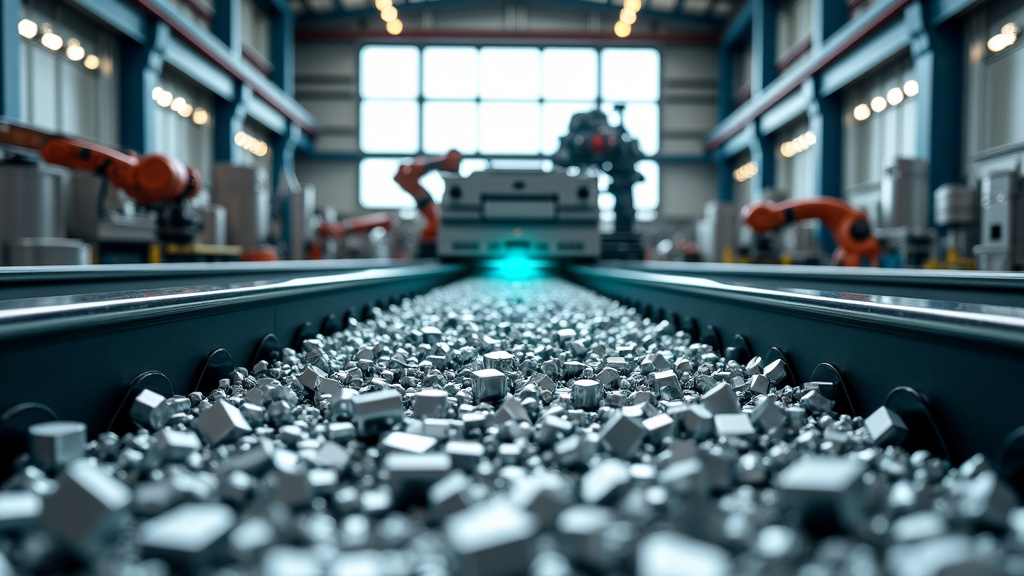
<point>970,286</point>
<point>963,356</point>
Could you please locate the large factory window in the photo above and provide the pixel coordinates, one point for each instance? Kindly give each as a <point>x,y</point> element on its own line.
<point>496,102</point>
<point>69,78</point>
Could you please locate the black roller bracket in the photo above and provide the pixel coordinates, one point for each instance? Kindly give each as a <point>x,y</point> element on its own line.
<point>839,391</point>
<point>709,335</point>
<point>739,350</point>
<point>923,430</point>
<point>690,325</point>
<point>217,364</point>
<point>1011,459</point>
<point>305,332</point>
<point>153,380</point>
<point>791,378</point>
<point>14,424</point>
<point>268,349</point>
<point>331,324</point>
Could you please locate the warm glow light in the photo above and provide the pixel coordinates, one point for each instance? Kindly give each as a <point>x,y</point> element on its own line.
<point>240,138</point>
<point>745,172</point>
<point>894,96</point>
<point>382,4</point>
<point>1010,29</point>
<point>250,143</point>
<point>787,150</point>
<point>631,5</point>
<point>28,28</point>
<point>395,27</point>
<point>91,62</point>
<point>185,111</point>
<point>75,52</point>
<point>50,40</point>
<point>164,99</point>
<point>200,116</point>
<point>178,104</point>
<point>999,42</point>
<point>388,14</point>
<point>878,104</point>
<point>911,88</point>
<point>627,16</point>
<point>861,112</point>
<point>622,29</point>
<point>157,91</point>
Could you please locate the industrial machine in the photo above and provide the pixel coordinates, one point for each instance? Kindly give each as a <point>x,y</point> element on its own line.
<point>592,143</point>
<point>497,213</point>
<point>849,227</point>
<point>1002,223</point>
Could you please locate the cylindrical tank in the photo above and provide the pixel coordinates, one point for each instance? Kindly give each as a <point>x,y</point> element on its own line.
<point>245,192</point>
<point>955,205</point>
<point>32,203</point>
<point>215,224</point>
<point>49,252</point>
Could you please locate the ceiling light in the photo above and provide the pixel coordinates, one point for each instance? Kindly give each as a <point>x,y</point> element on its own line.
<point>878,104</point>
<point>627,16</point>
<point>787,150</point>
<point>157,91</point>
<point>50,40</point>
<point>91,62</point>
<point>388,14</point>
<point>395,27</point>
<point>200,116</point>
<point>28,28</point>
<point>894,96</point>
<point>1007,37</point>
<point>240,138</point>
<point>186,110</point>
<point>382,4</point>
<point>178,104</point>
<point>622,29</point>
<point>75,52</point>
<point>911,88</point>
<point>631,5</point>
<point>861,112</point>
<point>164,99</point>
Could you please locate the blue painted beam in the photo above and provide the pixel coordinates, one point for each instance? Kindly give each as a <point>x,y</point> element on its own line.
<point>943,10</point>
<point>267,115</point>
<point>723,177</point>
<point>762,46</point>
<point>227,24</point>
<point>827,17</point>
<point>229,119</point>
<point>939,68</point>
<point>10,59</point>
<point>881,47</point>
<point>282,50</point>
<point>739,28</point>
<point>285,147</point>
<point>762,152</point>
<point>788,109</point>
<point>121,15</point>
<point>141,66</point>
<point>741,142</point>
<point>318,18</point>
<point>851,35</point>
<point>190,63</point>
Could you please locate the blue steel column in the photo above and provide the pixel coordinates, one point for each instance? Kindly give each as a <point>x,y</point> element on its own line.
<point>723,171</point>
<point>282,50</point>
<point>762,152</point>
<point>939,70</point>
<point>762,47</point>
<point>141,69</point>
<point>10,59</point>
<point>229,114</point>
<point>824,115</point>
<point>827,16</point>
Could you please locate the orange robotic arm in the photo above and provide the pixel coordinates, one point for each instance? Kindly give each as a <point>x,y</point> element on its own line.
<point>408,178</point>
<point>848,226</point>
<point>355,224</point>
<point>148,179</point>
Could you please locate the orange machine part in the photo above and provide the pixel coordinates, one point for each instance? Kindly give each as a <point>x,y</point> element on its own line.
<point>848,226</point>
<point>408,177</point>
<point>261,253</point>
<point>150,179</point>
<point>355,224</point>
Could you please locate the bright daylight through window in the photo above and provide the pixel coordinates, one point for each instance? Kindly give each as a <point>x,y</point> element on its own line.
<point>508,103</point>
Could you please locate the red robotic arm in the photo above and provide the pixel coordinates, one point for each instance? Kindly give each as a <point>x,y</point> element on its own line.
<point>408,178</point>
<point>848,226</point>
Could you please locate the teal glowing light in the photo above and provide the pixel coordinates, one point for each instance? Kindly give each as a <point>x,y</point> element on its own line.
<point>516,266</point>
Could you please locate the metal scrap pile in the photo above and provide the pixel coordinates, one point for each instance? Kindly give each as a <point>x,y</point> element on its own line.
<point>502,428</point>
